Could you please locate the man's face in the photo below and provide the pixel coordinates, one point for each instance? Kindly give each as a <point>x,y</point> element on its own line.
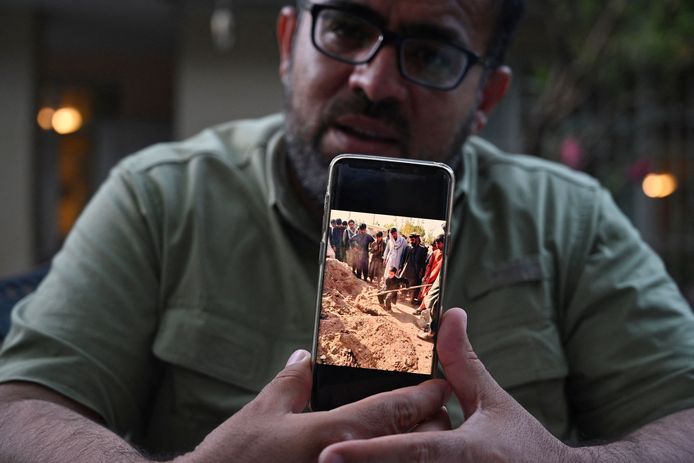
<point>394,235</point>
<point>334,107</point>
<point>413,240</point>
<point>351,225</point>
<point>362,232</point>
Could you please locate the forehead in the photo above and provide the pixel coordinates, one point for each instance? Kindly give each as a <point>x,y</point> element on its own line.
<point>469,21</point>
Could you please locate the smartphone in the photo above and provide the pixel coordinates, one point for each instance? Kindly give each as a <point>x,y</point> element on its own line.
<point>370,283</point>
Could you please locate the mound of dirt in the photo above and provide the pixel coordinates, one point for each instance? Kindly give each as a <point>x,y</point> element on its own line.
<point>356,331</point>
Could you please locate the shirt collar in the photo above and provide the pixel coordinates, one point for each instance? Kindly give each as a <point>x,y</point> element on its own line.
<point>281,194</point>
<point>466,183</point>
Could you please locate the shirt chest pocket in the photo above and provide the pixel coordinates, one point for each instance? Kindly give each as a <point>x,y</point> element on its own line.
<point>213,365</point>
<point>513,325</point>
<point>216,347</point>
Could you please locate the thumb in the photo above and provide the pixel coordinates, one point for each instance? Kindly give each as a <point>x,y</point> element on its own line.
<point>290,390</point>
<point>470,380</point>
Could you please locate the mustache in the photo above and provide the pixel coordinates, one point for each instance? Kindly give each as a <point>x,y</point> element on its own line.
<point>386,111</point>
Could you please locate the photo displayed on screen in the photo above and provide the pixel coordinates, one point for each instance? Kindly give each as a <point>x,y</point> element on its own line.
<point>377,291</point>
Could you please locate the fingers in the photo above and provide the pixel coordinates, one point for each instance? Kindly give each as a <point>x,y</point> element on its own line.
<point>394,412</point>
<point>291,388</point>
<point>468,376</point>
<point>419,447</point>
<point>439,422</point>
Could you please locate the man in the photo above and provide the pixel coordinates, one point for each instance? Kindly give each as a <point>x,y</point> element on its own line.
<point>432,269</point>
<point>430,279</point>
<point>412,265</point>
<point>360,248</point>
<point>376,268</point>
<point>389,296</point>
<point>395,247</point>
<point>336,240</point>
<point>153,323</point>
<point>349,233</point>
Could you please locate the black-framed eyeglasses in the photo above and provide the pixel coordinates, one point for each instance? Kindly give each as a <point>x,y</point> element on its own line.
<point>349,37</point>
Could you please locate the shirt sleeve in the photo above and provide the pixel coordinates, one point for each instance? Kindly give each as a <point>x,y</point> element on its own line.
<point>87,330</point>
<point>628,333</point>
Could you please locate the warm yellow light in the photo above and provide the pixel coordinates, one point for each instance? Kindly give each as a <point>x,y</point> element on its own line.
<point>66,120</point>
<point>44,118</point>
<point>659,185</point>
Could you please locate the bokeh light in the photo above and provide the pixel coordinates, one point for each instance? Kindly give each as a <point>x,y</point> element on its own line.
<point>659,185</point>
<point>66,120</point>
<point>45,117</point>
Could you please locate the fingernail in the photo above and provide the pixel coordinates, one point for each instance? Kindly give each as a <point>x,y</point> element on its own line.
<point>298,356</point>
<point>464,318</point>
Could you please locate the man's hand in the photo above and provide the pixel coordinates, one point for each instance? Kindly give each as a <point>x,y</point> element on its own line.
<point>272,427</point>
<point>496,429</point>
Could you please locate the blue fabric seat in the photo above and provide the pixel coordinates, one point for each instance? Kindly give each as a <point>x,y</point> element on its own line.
<point>12,290</point>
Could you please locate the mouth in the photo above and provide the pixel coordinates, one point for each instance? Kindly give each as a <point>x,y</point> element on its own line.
<point>361,134</point>
<point>366,134</point>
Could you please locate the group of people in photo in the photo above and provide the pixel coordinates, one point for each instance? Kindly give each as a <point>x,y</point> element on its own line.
<point>395,264</point>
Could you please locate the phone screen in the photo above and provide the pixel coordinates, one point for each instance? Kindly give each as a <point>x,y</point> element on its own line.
<point>378,273</point>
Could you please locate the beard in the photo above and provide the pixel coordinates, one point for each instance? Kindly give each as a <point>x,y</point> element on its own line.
<point>311,165</point>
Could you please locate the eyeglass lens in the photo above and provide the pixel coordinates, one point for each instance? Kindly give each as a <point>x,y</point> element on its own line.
<point>353,39</point>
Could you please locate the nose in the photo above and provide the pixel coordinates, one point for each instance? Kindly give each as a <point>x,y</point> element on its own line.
<point>380,78</point>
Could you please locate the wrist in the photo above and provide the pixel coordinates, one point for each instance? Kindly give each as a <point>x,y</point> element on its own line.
<point>602,453</point>
<point>189,457</point>
<point>578,455</point>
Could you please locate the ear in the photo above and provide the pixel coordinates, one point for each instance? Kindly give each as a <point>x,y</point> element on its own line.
<point>286,26</point>
<point>493,91</point>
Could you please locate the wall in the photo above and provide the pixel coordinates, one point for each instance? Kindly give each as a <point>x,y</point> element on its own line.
<point>16,150</point>
<point>214,86</point>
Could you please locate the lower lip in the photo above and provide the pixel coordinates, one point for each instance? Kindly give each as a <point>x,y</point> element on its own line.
<point>340,141</point>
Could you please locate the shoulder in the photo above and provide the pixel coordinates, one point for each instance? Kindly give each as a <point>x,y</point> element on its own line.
<point>521,183</point>
<point>228,160</point>
<point>174,182</point>
<point>522,173</point>
<point>232,144</point>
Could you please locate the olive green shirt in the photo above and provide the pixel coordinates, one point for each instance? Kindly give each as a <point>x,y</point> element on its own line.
<point>158,316</point>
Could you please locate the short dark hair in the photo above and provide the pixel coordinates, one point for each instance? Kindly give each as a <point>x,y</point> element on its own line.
<point>379,234</point>
<point>509,14</point>
<point>393,230</point>
<point>350,221</point>
<point>362,226</point>
<point>393,269</point>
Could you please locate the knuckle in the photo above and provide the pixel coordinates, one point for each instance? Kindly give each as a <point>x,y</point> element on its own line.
<point>336,432</point>
<point>420,452</point>
<point>405,415</point>
<point>289,374</point>
<point>290,377</point>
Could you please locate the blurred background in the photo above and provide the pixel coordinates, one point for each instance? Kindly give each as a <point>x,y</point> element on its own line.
<point>605,87</point>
